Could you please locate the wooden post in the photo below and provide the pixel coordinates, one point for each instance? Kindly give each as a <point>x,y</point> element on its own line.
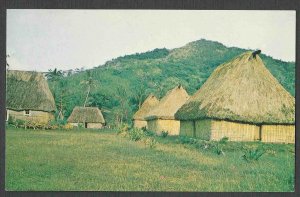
<point>260,130</point>
<point>194,128</point>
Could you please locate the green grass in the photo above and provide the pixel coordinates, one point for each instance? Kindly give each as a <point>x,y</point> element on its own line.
<point>103,161</point>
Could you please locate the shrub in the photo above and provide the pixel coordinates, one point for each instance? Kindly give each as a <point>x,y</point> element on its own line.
<point>151,142</point>
<point>253,154</point>
<point>187,140</point>
<point>164,134</point>
<point>214,146</point>
<point>123,128</point>
<point>218,149</point>
<point>224,140</point>
<point>135,134</point>
<point>68,126</point>
<point>149,133</point>
<point>53,124</point>
<point>144,129</point>
<point>19,123</point>
<point>61,122</point>
<point>11,121</point>
<point>205,145</point>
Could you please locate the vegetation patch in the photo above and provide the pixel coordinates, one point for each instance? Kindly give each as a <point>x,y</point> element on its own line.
<point>100,160</point>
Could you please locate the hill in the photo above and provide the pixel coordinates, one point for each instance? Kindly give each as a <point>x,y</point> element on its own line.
<point>120,85</point>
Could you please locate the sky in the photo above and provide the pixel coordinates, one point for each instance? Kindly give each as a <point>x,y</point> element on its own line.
<point>67,39</point>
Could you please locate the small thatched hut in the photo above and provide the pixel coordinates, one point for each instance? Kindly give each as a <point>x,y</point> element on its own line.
<point>242,101</point>
<point>88,117</point>
<point>28,97</point>
<point>161,118</point>
<point>139,117</point>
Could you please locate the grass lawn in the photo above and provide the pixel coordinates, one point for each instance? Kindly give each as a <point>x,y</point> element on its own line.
<point>103,161</point>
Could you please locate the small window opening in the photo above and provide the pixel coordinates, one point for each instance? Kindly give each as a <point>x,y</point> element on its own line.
<point>27,112</point>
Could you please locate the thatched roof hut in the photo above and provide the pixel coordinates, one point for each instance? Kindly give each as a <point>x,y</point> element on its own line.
<point>139,117</point>
<point>243,90</point>
<point>161,118</point>
<point>86,115</point>
<point>150,102</point>
<point>169,104</point>
<point>237,99</point>
<point>27,90</point>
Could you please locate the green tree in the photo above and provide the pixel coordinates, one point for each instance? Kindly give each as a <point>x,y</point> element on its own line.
<point>54,75</point>
<point>89,82</point>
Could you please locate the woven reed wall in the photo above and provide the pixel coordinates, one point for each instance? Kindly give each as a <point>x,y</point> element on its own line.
<point>278,133</point>
<point>203,129</point>
<point>35,116</point>
<point>94,125</point>
<point>158,125</point>
<point>187,128</point>
<point>234,131</point>
<point>140,123</point>
<point>75,124</point>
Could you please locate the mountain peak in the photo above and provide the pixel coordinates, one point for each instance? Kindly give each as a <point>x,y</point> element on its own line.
<point>204,42</point>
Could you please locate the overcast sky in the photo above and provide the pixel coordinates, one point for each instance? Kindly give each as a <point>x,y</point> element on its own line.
<point>67,39</point>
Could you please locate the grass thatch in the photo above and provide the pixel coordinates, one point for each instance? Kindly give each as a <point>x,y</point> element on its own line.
<point>150,102</point>
<point>28,90</point>
<point>86,115</point>
<point>169,104</point>
<point>241,90</point>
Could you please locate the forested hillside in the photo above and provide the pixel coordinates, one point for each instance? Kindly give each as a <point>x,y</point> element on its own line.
<point>119,86</point>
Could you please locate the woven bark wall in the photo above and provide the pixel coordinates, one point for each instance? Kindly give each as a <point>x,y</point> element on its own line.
<point>140,123</point>
<point>34,116</point>
<point>158,125</point>
<point>278,133</point>
<point>234,131</point>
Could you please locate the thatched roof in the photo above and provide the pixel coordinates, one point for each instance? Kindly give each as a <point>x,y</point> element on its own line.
<point>86,114</point>
<point>150,102</point>
<point>169,104</point>
<point>241,90</point>
<point>28,90</point>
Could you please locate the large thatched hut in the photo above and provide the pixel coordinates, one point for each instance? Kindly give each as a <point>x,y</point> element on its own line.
<point>242,101</point>
<point>139,117</point>
<point>161,118</point>
<point>88,117</point>
<point>28,97</point>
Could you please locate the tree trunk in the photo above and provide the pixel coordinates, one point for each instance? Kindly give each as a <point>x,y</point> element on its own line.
<point>60,114</point>
<point>60,102</point>
<point>87,95</point>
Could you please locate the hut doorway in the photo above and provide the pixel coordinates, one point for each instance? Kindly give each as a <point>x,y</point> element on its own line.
<point>86,125</point>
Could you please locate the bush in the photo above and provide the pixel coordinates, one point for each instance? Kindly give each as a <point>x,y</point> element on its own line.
<point>135,134</point>
<point>187,140</point>
<point>10,121</point>
<point>149,133</point>
<point>151,142</point>
<point>253,154</point>
<point>123,128</point>
<point>218,149</point>
<point>224,140</point>
<point>164,133</point>
<point>144,129</point>
<point>68,126</point>
<point>15,122</point>
<point>204,145</point>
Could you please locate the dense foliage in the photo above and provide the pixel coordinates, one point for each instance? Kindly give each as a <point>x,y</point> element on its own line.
<point>121,85</point>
